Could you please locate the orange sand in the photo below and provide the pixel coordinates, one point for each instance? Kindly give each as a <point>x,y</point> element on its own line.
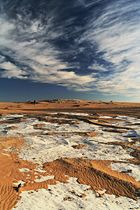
<point>64,105</point>
<point>95,173</point>
<point>9,171</point>
<point>79,146</point>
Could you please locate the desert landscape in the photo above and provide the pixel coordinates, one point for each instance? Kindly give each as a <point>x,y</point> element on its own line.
<point>69,155</point>
<point>69,105</point>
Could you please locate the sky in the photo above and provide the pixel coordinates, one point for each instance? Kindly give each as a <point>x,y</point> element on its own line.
<point>88,49</point>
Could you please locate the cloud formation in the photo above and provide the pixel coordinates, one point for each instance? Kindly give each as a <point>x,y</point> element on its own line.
<point>117,35</point>
<point>27,53</point>
<point>83,45</point>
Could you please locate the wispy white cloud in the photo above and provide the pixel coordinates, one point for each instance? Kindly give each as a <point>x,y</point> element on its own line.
<point>88,3</point>
<point>39,59</point>
<point>113,35</point>
<point>117,36</point>
<point>12,71</point>
<point>97,67</point>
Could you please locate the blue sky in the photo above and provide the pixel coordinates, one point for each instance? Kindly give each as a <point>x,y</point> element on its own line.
<point>87,49</point>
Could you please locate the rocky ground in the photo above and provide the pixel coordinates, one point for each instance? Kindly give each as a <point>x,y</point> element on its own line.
<point>69,160</point>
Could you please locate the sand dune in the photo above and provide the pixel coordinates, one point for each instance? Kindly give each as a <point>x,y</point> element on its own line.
<point>8,196</point>
<point>9,171</point>
<point>132,109</point>
<point>39,151</point>
<point>95,174</point>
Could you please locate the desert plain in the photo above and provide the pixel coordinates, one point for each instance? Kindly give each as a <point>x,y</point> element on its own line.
<point>69,155</point>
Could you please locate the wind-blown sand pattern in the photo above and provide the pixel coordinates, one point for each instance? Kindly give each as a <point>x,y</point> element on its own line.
<point>69,160</point>
<point>96,174</point>
<point>9,171</point>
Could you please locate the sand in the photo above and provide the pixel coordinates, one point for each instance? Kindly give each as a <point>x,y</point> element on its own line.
<point>9,171</point>
<point>105,108</point>
<point>63,158</point>
<point>96,174</point>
